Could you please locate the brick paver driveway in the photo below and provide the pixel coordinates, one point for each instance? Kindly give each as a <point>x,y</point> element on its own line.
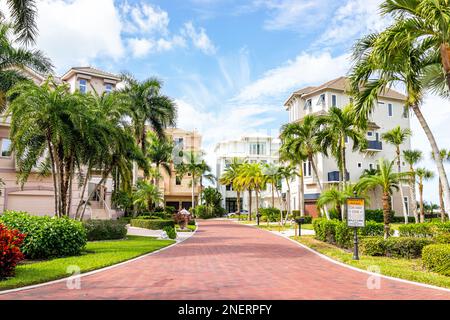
<point>225,260</point>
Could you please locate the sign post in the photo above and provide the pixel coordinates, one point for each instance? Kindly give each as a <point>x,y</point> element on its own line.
<point>356,218</point>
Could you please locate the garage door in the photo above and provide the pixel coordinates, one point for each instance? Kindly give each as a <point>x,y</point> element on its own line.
<point>39,203</point>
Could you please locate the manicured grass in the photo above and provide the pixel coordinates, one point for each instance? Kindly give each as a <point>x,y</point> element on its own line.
<point>408,269</point>
<point>188,228</point>
<point>97,255</point>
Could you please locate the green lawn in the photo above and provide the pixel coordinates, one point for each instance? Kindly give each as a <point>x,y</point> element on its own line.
<point>188,228</point>
<point>408,269</point>
<point>97,255</point>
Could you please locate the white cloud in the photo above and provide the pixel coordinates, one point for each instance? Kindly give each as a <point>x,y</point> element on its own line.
<point>79,31</point>
<point>141,47</point>
<point>144,18</point>
<point>305,69</point>
<point>199,38</point>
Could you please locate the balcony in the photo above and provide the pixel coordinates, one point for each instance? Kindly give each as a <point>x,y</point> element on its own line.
<point>374,145</point>
<point>333,176</point>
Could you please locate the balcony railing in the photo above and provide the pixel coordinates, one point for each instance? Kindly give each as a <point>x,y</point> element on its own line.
<point>333,176</point>
<point>374,145</point>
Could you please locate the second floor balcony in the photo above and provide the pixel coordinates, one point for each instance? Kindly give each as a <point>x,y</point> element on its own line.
<point>374,145</point>
<point>333,176</point>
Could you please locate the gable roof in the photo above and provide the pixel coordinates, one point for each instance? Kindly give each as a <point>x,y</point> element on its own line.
<point>342,84</point>
<point>90,71</point>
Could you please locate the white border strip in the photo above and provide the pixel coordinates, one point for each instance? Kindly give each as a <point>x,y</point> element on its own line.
<point>99,270</point>
<point>429,286</point>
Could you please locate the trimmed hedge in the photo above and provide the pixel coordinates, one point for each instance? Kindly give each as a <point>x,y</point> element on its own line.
<point>47,237</point>
<point>424,230</point>
<point>170,231</point>
<point>105,229</point>
<point>270,214</point>
<point>401,247</point>
<point>152,224</point>
<point>436,257</point>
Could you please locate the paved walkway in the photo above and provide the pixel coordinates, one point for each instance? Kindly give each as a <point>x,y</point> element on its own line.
<point>225,260</point>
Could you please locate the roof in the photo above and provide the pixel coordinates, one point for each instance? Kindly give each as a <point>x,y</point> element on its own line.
<point>91,71</point>
<point>342,84</point>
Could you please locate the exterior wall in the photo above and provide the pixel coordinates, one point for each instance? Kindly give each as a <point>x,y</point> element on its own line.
<point>356,162</point>
<point>94,84</point>
<point>227,150</point>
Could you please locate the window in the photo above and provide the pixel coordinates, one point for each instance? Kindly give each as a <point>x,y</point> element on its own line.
<point>321,100</point>
<point>179,142</point>
<point>359,165</point>
<point>308,104</point>
<point>83,85</point>
<point>178,181</point>
<point>258,148</point>
<point>229,187</point>
<point>334,100</point>
<point>5,147</point>
<point>406,201</point>
<point>370,134</point>
<point>370,166</point>
<point>108,87</point>
<point>405,113</point>
<point>390,111</point>
<point>307,168</point>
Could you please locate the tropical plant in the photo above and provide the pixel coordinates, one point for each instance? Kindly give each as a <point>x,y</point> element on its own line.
<point>13,59</point>
<point>303,137</point>
<point>146,195</point>
<point>397,138</point>
<point>204,173</point>
<point>230,177</point>
<point>445,156</point>
<point>288,173</point>
<point>271,172</point>
<point>212,197</point>
<point>407,53</point>
<point>412,157</point>
<point>336,197</point>
<point>23,15</point>
<point>159,152</point>
<point>338,126</point>
<point>422,175</point>
<point>388,181</point>
<point>192,165</point>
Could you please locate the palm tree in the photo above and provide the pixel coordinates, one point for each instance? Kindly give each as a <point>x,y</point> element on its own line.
<point>337,197</point>
<point>377,67</point>
<point>271,172</point>
<point>389,181</point>
<point>159,152</point>
<point>252,178</point>
<point>445,156</point>
<point>304,136</point>
<point>423,175</point>
<point>338,126</point>
<point>13,59</point>
<point>192,165</point>
<point>292,152</point>
<point>147,195</point>
<point>412,157</point>
<point>204,173</point>
<point>230,177</point>
<point>397,137</point>
<point>288,173</point>
<point>23,14</point>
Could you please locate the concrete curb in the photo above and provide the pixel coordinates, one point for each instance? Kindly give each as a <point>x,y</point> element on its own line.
<point>34,286</point>
<point>429,286</point>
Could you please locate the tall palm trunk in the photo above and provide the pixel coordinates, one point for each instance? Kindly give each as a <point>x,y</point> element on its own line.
<point>257,206</point>
<point>344,164</point>
<point>436,153</point>
<point>399,168</point>
<point>249,205</point>
<point>441,201</point>
<point>201,190</point>
<point>313,164</point>
<point>412,190</point>
<point>193,191</point>
<point>238,193</point>
<point>445,59</point>
<point>422,209</point>
<point>301,196</point>
<point>273,195</point>
<point>386,213</point>
<point>288,202</point>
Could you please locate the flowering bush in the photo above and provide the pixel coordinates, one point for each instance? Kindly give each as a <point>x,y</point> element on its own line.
<point>10,254</point>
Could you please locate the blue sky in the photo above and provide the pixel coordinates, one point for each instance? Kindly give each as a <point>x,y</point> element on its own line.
<point>229,64</point>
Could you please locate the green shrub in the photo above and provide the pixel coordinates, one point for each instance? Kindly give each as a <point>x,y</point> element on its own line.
<point>343,235</point>
<point>372,229</point>
<point>325,230</point>
<point>442,238</point>
<point>424,230</point>
<point>105,230</point>
<point>170,231</point>
<point>152,224</point>
<point>334,214</point>
<point>308,219</point>
<point>47,237</point>
<point>401,219</point>
<point>377,215</point>
<point>436,257</point>
<point>271,214</point>
<point>125,220</point>
<point>403,247</point>
<point>170,210</point>
<point>204,212</point>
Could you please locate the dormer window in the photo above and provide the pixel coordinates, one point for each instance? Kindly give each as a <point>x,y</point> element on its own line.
<point>321,100</point>
<point>108,88</point>
<point>82,85</point>
<point>308,104</point>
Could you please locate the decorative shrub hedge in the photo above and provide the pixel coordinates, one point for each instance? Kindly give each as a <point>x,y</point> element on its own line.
<point>10,254</point>
<point>270,214</point>
<point>401,247</point>
<point>436,257</point>
<point>424,230</point>
<point>47,237</point>
<point>105,229</point>
<point>170,231</point>
<point>152,224</point>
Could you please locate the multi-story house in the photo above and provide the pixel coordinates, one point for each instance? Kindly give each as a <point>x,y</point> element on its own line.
<point>177,190</point>
<point>37,197</point>
<point>387,114</point>
<point>252,149</point>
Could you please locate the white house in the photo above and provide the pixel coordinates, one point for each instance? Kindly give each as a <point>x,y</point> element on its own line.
<point>388,113</point>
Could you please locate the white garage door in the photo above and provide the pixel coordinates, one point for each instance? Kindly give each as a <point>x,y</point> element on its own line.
<point>39,203</point>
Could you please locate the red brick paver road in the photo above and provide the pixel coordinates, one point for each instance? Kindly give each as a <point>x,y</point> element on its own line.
<point>225,260</point>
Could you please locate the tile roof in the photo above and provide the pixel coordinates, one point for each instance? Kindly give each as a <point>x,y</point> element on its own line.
<point>91,70</point>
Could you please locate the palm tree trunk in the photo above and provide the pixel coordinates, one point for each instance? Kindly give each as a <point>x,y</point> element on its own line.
<point>249,205</point>
<point>399,167</point>
<point>301,196</point>
<point>54,174</point>
<point>319,184</point>
<point>85,183</point>
<point>445,60</point>
<point>257,206</point>
<point>238,193</point>
<point>422,209</point>
<point>288,202</point>
<point>273,195</point>
<point>193,191</point>
<point>386,214</point>
<point>344,164</point>
<point>412,189</point>
<point>435,149</point>
<point>441,201</point>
